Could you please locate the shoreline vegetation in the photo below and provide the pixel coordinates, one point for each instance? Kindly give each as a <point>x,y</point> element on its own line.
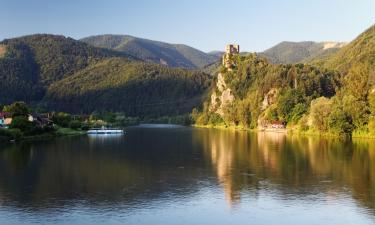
<point>19,122</point>
<point>290,131</point>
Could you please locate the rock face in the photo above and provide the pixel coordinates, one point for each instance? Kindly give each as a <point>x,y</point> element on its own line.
<point>269,98</point>
<point>221,98</point>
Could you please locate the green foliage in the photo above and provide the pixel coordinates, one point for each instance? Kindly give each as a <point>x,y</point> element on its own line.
<point>62,119</point>
<point>361,51</point>
<point>286,102</point>
<point>10,134</point>
<point>254,77</point>
<point>297,113</point>
<point>319,112</point>
<point>17,109</point>
<point>133,88</point>
<point>339,122</point>
<point>75,124</point>
<point>32,63</point>
<point>24,125</point>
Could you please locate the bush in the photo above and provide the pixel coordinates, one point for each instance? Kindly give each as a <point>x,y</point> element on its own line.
<point>75,124</point>
<point>62,119</point>
<point>339,122</point>
<point>22,123</point>
<point>10,134</point>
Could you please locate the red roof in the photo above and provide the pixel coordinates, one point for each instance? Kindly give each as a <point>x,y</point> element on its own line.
<point>277,123</point>
<point>4,114</point>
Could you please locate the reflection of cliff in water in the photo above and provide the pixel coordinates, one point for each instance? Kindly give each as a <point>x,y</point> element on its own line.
<point>148,164</point>
<point>303,166</point>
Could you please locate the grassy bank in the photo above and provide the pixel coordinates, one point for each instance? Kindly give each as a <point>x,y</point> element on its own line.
<point>63,131</point>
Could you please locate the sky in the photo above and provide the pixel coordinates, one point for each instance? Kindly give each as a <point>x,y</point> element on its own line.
<point>204,24</point>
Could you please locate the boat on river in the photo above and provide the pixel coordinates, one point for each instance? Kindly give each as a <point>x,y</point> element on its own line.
<point>104,130</point>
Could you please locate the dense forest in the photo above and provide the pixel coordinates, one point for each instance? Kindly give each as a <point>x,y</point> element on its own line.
<point>59,73</point>
<point>333,96</point>
<point>135,88</point>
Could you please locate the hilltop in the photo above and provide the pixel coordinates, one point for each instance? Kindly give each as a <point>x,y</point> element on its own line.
<point>173,55</point>
<point>59,72</point>
<point>334,95</point>
<point>297,52</point>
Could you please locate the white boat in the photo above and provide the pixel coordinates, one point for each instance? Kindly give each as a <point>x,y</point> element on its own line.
<point>105,130</point>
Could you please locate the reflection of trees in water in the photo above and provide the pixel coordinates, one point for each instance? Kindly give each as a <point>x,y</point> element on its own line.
<point>126,170</point>
<point>148,164</point>
<point>299,165</point>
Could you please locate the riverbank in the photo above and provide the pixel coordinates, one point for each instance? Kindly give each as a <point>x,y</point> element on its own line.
<point>292,131</point>
<point>14,135</point>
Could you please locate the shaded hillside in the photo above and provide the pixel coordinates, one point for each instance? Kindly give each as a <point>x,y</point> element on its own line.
<point>31,63</point>
<point>173,55</point>
<point>295,52</point>
<point>136,88</point>
<point>73,76</point>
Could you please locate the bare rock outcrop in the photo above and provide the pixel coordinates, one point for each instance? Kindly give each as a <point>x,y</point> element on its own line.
<point>221,98</point>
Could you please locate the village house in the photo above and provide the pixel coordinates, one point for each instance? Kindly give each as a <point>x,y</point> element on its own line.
<point>5,119</point>
<point>40,120</point>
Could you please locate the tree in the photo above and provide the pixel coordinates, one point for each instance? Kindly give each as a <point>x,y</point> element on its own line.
<point>17,109</point>
<point>298,112</point>
<point>340,122</point>
<point>22,123</point>
<point>356,81</point>
<point>319,112</point>
<point>286,102</point>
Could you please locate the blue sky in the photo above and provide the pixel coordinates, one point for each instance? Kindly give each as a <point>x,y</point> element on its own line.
<point>205,24</point>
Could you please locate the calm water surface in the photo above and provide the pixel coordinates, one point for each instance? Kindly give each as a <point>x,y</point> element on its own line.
<point>188,176</point>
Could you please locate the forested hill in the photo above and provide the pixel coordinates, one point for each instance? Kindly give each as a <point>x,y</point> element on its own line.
<point>135,88</point>
<point>33,68</point>
<point>360,53</point>
<point>173,55</point>
<point>297,52</point>
<point>334,96</point>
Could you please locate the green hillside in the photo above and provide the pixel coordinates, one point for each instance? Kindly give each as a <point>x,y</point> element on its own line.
<point>61,73</point>
<point>136,88</point>
<point>254,77</point>
<point>361,51</point>
<point>173,55</point>
<point>335,96</point>
<point>31,63</point>
<point>296,52</point>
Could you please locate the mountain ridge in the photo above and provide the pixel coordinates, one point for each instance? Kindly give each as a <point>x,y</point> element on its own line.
<point>173,55</point>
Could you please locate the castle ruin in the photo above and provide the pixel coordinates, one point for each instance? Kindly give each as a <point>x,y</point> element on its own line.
<point>230,51</point>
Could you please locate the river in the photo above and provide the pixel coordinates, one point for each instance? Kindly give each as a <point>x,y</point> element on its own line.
<point>178,175</point>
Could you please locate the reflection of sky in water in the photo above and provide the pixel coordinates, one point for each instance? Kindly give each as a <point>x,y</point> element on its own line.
<point>188,176</point>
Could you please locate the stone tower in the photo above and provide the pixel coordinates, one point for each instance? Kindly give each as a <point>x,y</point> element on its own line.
<point>230,50</point>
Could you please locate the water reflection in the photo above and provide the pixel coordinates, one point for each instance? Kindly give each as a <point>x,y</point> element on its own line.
<point>152,167</point>
<point>298,166</point>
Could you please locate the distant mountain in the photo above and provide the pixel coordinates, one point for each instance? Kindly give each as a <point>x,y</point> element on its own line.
<point>65,74</point>
<point>296,52</point>
<point>173,55</point>
<point>31,63</point>
<point>359,52</point>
